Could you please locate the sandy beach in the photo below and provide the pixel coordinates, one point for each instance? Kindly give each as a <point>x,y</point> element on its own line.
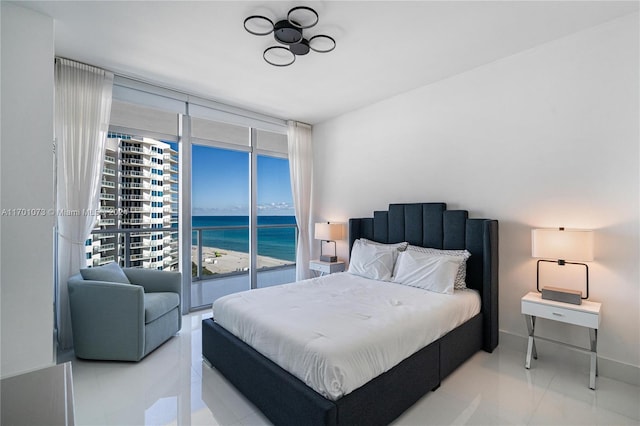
<point>220,261</point>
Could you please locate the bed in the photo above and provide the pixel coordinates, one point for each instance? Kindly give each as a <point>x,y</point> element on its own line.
<point>286,399</point>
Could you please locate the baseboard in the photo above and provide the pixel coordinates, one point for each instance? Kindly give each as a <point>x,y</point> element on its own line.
<point>606,367</point>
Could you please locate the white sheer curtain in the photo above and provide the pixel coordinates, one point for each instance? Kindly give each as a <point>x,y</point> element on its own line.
<point>82,109</point>
<point>301,171</point>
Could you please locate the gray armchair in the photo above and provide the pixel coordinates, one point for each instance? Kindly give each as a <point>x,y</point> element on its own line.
<point>124,322</point>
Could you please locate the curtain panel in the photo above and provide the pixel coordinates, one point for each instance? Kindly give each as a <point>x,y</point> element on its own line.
<point>301,171</point>
<point>82,110</point>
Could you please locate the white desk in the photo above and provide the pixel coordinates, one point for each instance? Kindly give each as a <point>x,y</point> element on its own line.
<point>41,397</point>
<point>326,267</point>
<point>585,315</point>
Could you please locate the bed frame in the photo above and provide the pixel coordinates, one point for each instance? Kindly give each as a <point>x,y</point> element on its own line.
<point>286,400</point>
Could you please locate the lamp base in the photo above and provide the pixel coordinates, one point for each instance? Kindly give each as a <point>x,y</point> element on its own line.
<point>562,295</point>
<point>327,258</point>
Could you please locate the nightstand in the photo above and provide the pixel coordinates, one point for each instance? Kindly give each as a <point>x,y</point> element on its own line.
<point>585,315</point>
<point>326,267</point>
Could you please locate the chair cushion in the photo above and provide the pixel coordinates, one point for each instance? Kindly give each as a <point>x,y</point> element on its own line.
<point>158,304</point>
<point>111,272</point>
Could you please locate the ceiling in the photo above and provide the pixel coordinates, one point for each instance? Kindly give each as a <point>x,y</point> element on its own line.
<point>383,47</point>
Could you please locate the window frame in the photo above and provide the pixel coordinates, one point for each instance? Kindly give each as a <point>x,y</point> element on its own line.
<point>186,107</point>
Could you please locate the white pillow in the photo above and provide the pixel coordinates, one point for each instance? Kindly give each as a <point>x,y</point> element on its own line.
<point>372,261</point>
<point>395,247</point>
<point>423,270</point>
<point>461,276</point>
<point>398,246</point>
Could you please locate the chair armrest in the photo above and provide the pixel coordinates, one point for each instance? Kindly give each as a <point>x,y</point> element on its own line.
<point>154,280</point>
<point>107,319</point>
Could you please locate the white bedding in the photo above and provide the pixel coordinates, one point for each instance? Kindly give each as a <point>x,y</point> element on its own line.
<point>337,332</point>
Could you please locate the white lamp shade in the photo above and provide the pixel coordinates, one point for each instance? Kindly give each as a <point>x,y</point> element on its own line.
<point>329,231</point>
<point>562,244</point>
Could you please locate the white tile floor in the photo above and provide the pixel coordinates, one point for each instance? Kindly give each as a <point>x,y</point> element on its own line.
<point>172,386</point>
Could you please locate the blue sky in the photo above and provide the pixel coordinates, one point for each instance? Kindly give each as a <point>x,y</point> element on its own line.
<point>220,183</point>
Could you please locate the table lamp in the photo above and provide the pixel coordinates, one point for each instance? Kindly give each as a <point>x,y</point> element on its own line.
<point>328,232</point>
<point>562,246</point>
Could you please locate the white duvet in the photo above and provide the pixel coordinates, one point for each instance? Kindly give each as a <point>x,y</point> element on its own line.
<point>337,332</point>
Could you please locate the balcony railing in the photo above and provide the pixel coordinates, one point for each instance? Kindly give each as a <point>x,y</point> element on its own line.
<point>131,197</point>
<point>136,161</point>
<point>131,185</point>
<point>103,247</point>
<point>103,260</point>
<point>134,221</point>
<point>132,253</point>
<point>208,263</point>
<point>132,149</point>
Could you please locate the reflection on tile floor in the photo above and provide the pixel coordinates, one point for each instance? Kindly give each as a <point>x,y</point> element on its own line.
<point>172,386</point>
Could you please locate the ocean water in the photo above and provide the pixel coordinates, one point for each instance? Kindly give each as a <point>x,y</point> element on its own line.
<point>279,243</point>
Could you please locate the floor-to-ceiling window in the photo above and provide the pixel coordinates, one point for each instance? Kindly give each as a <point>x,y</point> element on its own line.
<point>220,223</point>
<point>137,223</point>
<point>276,223</point>
<point>243,230</point>
<point>219,209</point>
<point>195,186</point>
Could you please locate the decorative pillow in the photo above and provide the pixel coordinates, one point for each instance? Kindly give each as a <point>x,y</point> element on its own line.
<point>423,270</point>
<point>395,248</point>
<point>372,261</point>
<point>461,276</point>
<point>398,246</point>
<point>111,272</point>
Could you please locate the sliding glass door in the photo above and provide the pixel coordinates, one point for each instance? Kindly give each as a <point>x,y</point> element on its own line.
<point>220,223</point>
<point>195,186</point>
<point>244,232</point>
<point>276,223</point>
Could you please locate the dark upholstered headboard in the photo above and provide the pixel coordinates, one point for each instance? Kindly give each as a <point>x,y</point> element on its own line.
<point>432,225</point>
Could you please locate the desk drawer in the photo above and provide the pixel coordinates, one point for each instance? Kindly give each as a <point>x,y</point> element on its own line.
<point>325,268</point>
<point>570,316</point>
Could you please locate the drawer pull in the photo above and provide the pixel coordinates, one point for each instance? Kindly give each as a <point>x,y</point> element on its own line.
<point>557,314</point>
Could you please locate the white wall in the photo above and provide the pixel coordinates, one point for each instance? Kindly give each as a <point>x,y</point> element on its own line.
<point>548,137</point>
<point>26,181</point>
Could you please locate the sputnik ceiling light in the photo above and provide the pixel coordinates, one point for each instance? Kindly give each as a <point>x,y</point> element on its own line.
<point>289,32</point>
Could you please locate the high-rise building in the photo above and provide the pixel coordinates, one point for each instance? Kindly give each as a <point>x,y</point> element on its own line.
<point>138,213</point>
